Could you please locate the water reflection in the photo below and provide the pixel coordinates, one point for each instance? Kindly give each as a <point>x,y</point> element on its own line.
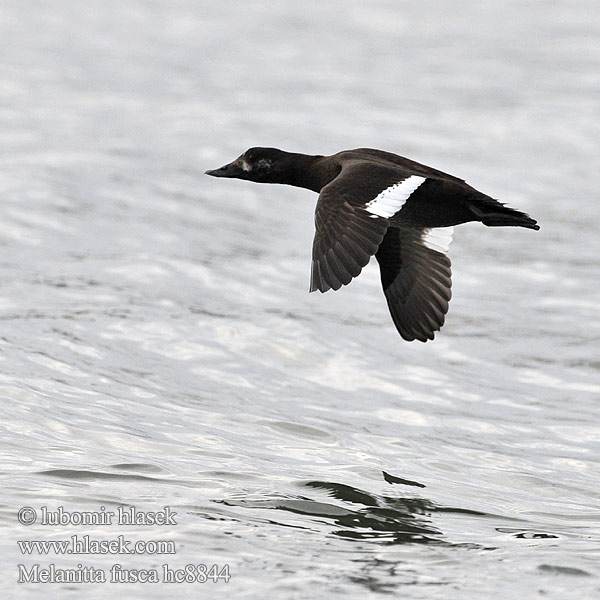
<point>390,519</point>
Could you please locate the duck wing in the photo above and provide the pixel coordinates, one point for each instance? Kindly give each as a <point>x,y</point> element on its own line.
<point>416,279</point>
<point>352,218</point>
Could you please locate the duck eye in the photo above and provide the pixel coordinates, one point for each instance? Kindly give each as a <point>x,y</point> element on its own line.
<point>264,164</point>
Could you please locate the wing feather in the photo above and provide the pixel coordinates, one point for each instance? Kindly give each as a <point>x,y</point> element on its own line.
<point>416,281</point>
<point>348,232</point>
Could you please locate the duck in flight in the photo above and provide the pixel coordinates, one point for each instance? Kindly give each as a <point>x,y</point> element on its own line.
<point>373,202</point>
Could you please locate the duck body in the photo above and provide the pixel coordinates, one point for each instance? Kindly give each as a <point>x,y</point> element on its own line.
<point>375,203</point>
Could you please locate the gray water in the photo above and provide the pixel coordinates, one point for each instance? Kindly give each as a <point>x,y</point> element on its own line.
<point>159,346</point>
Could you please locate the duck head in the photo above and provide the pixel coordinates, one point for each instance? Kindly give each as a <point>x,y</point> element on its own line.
<point>263,165</point>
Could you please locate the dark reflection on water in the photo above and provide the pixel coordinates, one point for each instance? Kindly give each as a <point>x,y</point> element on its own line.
<point>393,479</point>
<point>99,475</point>
<point>527,534</point>
<point>558,570</point>
<point>391,519</point>
<point>84,474</point>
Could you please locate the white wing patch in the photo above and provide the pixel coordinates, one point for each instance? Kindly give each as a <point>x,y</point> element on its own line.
<point>392,199</point>
<point>438,238</point>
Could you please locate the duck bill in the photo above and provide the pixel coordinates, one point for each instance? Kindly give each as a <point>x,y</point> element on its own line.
<point>233,169</point>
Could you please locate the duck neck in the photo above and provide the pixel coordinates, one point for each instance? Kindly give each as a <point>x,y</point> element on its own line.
<point>310,172</point>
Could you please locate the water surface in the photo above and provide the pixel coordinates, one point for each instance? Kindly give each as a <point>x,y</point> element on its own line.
<point>159,346</point>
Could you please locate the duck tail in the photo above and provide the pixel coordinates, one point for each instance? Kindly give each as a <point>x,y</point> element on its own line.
<point>498,215</point>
